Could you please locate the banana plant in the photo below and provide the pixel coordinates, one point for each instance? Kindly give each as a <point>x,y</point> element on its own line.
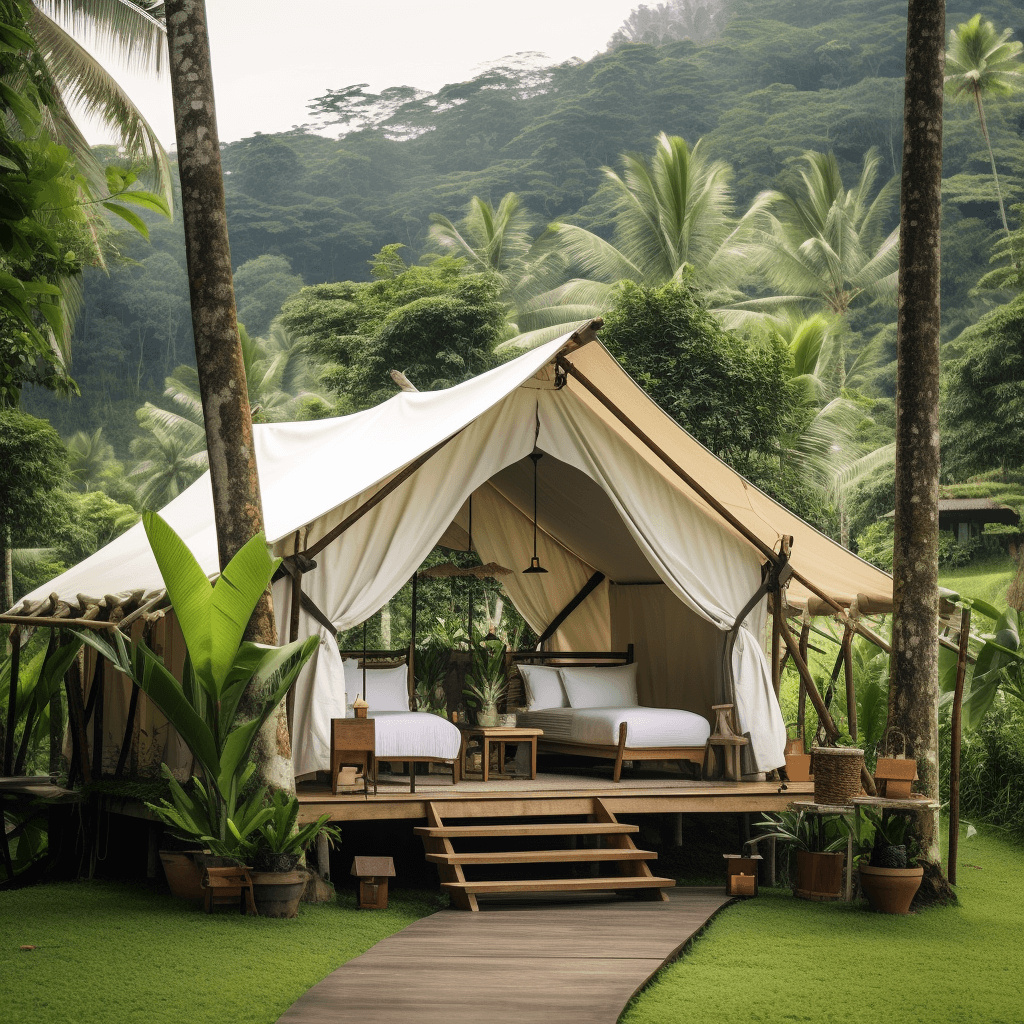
<point>218,669</point>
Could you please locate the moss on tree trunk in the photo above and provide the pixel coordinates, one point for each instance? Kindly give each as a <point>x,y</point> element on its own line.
<point>913,724</point>
<point>238,510</point>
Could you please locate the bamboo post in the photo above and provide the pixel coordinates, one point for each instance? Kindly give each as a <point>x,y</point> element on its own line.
<point>801,706</point>
<point>12,703</point>
<point>851,687</point>
<point>777,613</point>
<point>954,745</point>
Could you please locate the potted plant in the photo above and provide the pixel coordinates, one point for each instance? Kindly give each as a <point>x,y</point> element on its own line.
<point>218,668</point>
<point>277,880</point>
<point>889,873</point>
<point>819,867</point>
<point>431,668</point>
<point>486,681</point>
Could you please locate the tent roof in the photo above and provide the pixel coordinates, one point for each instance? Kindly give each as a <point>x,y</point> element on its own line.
<point>309,470</point>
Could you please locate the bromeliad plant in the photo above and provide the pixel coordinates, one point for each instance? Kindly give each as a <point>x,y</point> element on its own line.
<point>219,668</point>
<point>277,835</point>
<point>486,681</point>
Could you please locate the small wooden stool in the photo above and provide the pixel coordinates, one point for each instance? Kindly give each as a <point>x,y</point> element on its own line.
<point>226,885</point>
<point>373,874</point>
<point>352,745</point>
<point>726,764</point>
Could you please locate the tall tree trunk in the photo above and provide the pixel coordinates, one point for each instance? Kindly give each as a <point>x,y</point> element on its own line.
<point>913,724</point>
<point>238,510</point>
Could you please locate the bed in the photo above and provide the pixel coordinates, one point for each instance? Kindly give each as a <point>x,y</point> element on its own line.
<point>586,704</point>
<point>399,734</point>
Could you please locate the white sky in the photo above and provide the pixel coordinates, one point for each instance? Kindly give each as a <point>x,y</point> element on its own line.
<point>271,58</point>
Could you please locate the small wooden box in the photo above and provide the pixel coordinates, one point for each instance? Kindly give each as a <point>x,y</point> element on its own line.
<point>741,874</point>
<point>895,777</point>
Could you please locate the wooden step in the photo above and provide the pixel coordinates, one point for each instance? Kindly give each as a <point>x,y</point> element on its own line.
<point>615,882</point>
<point>541,856</point>
<point>579,828</point>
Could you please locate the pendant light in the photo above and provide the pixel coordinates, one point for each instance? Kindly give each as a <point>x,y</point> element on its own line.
<point>535,565</point>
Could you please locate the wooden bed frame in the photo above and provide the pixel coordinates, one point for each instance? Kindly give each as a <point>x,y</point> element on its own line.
<point>620,751</point>
<point>392,659</point>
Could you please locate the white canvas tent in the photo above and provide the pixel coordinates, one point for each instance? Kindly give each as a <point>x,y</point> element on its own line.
<point>678,567</point>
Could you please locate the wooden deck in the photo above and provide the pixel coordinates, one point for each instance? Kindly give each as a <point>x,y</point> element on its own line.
<point>554,794</point>
<point>570,963</point>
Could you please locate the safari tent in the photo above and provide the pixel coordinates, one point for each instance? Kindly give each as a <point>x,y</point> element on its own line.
<point>674,551</point>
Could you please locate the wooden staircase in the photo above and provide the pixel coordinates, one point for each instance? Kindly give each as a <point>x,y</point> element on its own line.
<point>625,866</point>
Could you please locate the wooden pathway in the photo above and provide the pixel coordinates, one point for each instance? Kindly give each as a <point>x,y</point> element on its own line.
<point>564,963</point>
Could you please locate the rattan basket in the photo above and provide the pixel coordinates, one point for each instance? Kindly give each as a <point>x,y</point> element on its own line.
<point>836,773</point>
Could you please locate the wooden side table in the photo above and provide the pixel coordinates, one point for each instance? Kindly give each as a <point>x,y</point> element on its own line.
<point>499,736</point>
<point>352,743</point>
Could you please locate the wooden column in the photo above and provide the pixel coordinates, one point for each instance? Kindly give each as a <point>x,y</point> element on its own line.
<point>777,613</point>
<point>851,686</point>
<point>954,745</point>
<point>801,707</point>
<point>12,704</point>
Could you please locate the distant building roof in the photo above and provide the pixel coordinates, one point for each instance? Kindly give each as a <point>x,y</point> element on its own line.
<point>981,510</point>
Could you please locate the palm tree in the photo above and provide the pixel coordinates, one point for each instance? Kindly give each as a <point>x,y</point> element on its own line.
<point>171,453</point>
<point>499,242</point>
<point>131,33</point>
<point>90,460</point>
<point>825,448</point>
<point>672,222</point>
<point>821,246</point>
<point>981,63</point>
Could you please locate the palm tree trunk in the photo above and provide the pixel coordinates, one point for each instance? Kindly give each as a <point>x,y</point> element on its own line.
<point>238,510</point>
<point>913,725</point>
<point>991,157</point>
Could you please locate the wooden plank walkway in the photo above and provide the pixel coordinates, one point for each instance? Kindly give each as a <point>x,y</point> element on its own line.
<point>556,963</point>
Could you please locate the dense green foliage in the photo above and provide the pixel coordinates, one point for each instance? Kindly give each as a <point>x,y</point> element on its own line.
<point>109,951</point>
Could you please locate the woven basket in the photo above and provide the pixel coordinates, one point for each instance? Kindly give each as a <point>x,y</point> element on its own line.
<point>836,773</point>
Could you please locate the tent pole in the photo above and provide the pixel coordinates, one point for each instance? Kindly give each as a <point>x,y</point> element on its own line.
<point>954,745</point>
<point>12,705</point>
<point>765,550</point>
<point>776,642</point>
<point>819,705</point>
<point>412,644</point>
<point>585,591</point>
<point>851,689</point>
<point>801,712</point>
<point>397,480</point>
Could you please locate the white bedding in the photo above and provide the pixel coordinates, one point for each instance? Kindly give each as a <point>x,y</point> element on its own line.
<point>405,734</point>
<point>647,727</point>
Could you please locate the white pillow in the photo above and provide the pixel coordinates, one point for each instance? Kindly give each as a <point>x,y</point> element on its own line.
<point>387,689</point>
<point>606,686</point>
<point>543,687</point>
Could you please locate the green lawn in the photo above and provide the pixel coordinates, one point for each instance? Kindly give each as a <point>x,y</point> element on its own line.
<point>987,579</point>
<point>118,954</point>
<point>121,954</point>
<point>779,959</point>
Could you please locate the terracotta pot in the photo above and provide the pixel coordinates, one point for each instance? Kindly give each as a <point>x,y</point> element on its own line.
<point>819,876</point>
<point>277,893</point>
<point>798,767</point>
<point>184,875</point>
<point>890,890</point>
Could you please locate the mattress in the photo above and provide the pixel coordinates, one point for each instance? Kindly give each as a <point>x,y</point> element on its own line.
<point>414,734</point>
<point>647,727</point>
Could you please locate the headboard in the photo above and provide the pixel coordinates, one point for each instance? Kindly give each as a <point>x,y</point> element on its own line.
<point>383,659</point>
<point>517,691</point>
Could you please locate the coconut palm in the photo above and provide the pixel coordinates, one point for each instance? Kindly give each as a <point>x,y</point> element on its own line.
<point>90,460</point>
<point>672,222</point>
<point>981,63</point>
<point>499,242</point>
<point>171,453</point>
<point>132,33</point>
<point>822,246</point>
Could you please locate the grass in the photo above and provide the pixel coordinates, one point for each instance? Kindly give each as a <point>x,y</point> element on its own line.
<point>776,959</point>
<point>113,953</point>
<point>987,579</point>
